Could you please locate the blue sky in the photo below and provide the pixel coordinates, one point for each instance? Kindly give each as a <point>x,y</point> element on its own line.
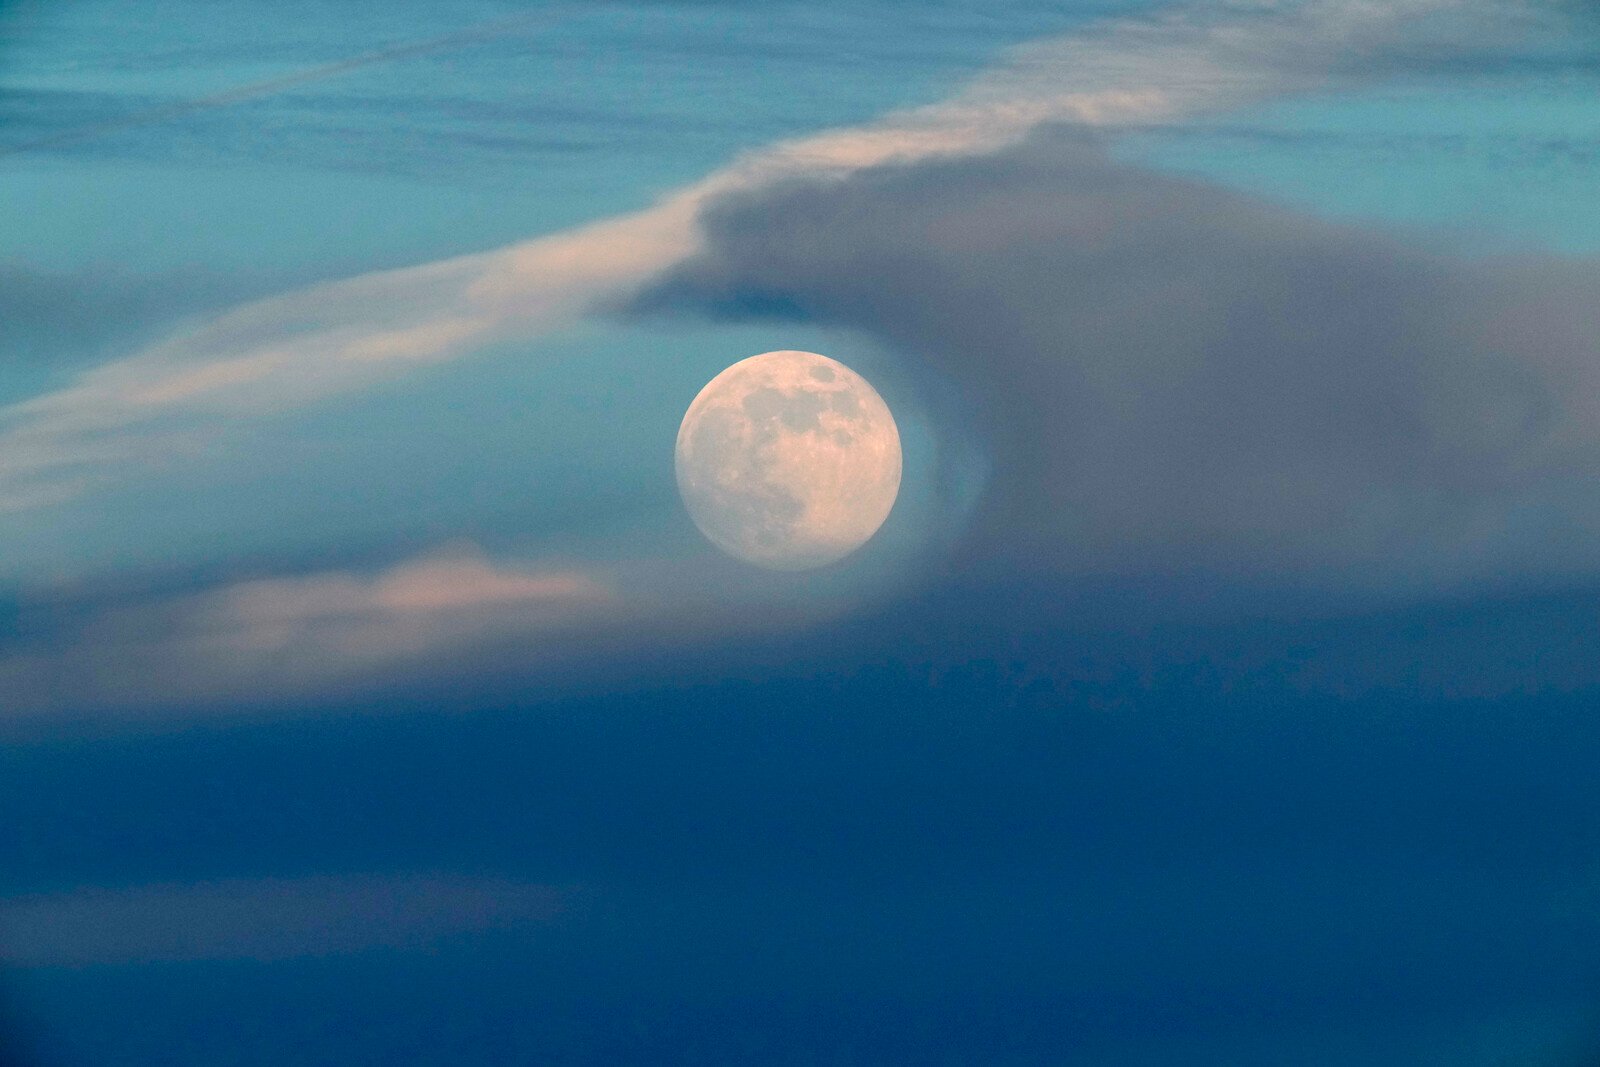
<point>1218,691</point>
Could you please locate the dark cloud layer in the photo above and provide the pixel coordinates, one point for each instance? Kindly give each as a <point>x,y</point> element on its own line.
<point>1169,377</point>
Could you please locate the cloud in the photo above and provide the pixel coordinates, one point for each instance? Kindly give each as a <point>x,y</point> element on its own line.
<point>270,637</point>
<point>76,132</point>
<point>400,610</point>
<point>452,620</point>
<point>264,918</point>
<point>275,354</point>
<point>1172,378</point>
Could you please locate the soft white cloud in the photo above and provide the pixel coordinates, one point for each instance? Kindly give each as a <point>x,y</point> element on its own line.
<point>275,354</point>
<point>349,621</point>
<point>423,588</point>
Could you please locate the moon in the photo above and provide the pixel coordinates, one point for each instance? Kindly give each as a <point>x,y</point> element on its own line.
<point>788,460</point>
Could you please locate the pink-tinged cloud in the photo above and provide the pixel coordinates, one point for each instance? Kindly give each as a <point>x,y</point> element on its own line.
<point>303,634</point>
<point>444,584</point>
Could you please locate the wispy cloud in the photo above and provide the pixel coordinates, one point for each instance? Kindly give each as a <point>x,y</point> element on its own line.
<point>400,610</point>
<point>264,918</point>
<point>275,354</point>
<point>276,636</point>
<point>451,620</point>
<point>75,133</point>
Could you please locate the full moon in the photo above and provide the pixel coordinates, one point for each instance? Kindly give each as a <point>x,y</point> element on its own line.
<point>788,460</point>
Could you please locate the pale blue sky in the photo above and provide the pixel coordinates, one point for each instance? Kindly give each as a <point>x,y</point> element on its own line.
<point>1496,160</point>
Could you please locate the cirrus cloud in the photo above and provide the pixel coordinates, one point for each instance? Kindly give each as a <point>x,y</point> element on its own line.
<point>313,633</point>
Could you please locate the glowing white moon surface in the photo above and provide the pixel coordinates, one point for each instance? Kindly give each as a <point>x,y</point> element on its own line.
<point>788,460</point>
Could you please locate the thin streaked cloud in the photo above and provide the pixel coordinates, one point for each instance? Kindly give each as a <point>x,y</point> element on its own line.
<point>265,919</point>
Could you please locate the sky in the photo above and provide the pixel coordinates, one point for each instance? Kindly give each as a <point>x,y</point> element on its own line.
<point>1221,688</point>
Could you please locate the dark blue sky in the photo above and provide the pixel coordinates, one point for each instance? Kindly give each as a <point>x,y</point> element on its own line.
<point>1221,690</point>
<point>966,838</point>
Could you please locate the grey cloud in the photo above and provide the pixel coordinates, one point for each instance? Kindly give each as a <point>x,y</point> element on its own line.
<point>1168,377</point>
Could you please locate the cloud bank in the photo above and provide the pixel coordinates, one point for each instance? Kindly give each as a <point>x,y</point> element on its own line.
<point>1173,378</point>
